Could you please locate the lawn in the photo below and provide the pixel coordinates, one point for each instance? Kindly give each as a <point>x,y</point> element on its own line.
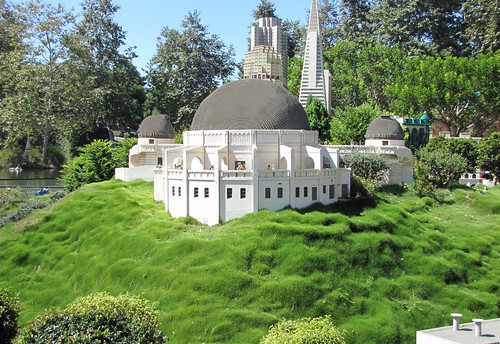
<point>381,271</point>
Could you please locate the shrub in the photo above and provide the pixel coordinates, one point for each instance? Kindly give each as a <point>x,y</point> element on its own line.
<point>9,312</point>
<point>7,196</point>
<point>362,188</point>
<point>121,151</point>
<point>443,166</point>
<point>368,166</point>
<point>98,318</point>
<point>489,154</point>
<point>307,330</point>
<point>22,211</point>
<point>94,164</point>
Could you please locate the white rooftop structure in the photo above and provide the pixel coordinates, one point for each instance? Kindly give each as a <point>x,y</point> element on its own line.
<point>478,331</point>
<point>315,79</point>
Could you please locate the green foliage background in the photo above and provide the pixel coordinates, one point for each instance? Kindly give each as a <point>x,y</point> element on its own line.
<point>381,273</point>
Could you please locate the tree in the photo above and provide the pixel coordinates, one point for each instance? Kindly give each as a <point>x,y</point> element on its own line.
<point>306,330</point>
<point>295,75</point>
<point>9,312</point>
<point>466,148</point>
<point>482,25</point>
<point>264,10</point>
<point>362,75</point>
<point>460,93</point>
<point>443,167</point>
<point>329,21</point>
<point>318,117</point>
<point>349,125</point>
<point>428,27</point>
<point>296,34</point>
<point>97,318</point>
<point>34,106</point>
<point>109,86</point>
<point>354,25</point>
<point>489,154</point>
<point>187,67</point>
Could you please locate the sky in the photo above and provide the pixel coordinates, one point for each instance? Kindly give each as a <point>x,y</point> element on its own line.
<point>143,20</point>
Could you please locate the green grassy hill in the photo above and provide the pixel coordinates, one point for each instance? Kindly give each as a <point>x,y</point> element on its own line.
<point>382,272</point>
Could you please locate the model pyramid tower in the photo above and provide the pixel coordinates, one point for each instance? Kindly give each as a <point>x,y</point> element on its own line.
<point>315,79</point>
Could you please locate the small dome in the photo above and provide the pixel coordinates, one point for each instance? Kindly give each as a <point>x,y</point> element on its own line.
<point>424,117</point>
<point>250,104</point>
<point>156,127</point>
<point>384,127</point>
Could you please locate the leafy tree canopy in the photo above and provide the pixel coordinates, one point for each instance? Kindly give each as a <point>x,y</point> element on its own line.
<point>264,10</point>
<point>458,92</point>
<point>349,125</point>
<point>318,117</point>
<point>187,67</point>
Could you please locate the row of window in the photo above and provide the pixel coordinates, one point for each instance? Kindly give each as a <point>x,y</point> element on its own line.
<point>196,192</point>
<point>267,192</point>
<point>229,193</point>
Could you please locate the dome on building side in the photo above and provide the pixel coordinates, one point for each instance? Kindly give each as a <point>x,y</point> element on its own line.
<point>384,127</point>
<point>156,127</point>
<point>250,104</point>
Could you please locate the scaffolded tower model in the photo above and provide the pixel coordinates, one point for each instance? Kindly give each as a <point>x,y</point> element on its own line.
<point>268,56</point>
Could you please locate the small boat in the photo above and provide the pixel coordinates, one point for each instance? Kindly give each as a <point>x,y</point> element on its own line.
<point>15,169</point>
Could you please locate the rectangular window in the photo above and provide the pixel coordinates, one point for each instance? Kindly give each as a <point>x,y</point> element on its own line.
<point>195,192</point>
<point>345,190</point>
<point>173,190</point>
<point>314,193</point>
<point>280,192</point>
<point>243,193</point>
<point>207,193</point>
<point>305,191</point>
<point>229,193</point>
<point>331,191</point>
<point>385,143</point>
<point>179,191</point>
<point>324,189</point>
<point>268,192</point>
<point>160,161</point>
<point>151,141</point>
<point>297,192</point>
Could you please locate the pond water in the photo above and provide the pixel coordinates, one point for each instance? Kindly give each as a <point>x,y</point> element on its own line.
<point>29,177</point>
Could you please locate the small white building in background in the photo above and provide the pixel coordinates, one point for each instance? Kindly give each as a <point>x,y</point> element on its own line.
<point>249,148</point>
<point>385,137</point>
<point>478,331</point>
<point>155,133</point>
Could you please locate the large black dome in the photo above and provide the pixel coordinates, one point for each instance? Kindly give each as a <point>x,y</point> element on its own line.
<point>385,127</point>
<point>250,104</point>
<point>156,127</point>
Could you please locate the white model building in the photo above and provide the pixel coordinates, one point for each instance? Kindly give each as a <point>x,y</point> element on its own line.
<point>315,79</point>
<point>154,134</point>
<point>268,55</point>
<point>249,148</point>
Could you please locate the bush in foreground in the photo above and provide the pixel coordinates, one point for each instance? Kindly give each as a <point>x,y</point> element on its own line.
<point>307,330</point>
<point>9,312</point>
<point>98,318</point>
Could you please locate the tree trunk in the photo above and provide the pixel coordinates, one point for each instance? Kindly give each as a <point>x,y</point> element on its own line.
<point>45,146</point>
<point>110,132</point>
